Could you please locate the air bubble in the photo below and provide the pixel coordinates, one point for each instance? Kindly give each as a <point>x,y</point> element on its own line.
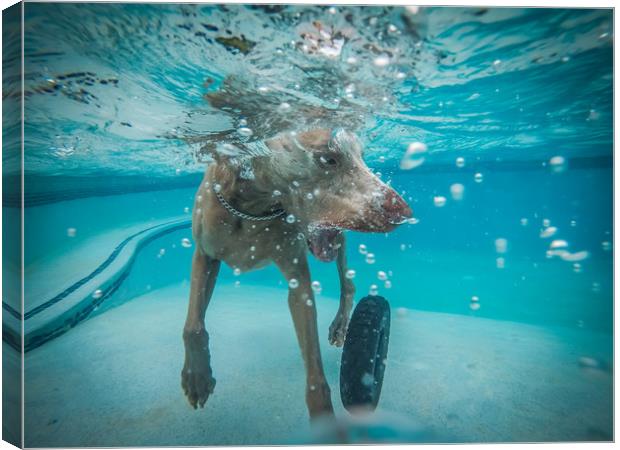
<point>478,178</point>
<point>244,131</point>
<point>388,284</point>
<point>237,271</point>
<point>439,201</point>
<point>382,275</point>
<point>290,218</point>
<point>309,302</point>
<point>370,258</point>
<point>577,256</point>
<point>523,222</point>
<point>557,164</point>
<point>606,245</point>
<point>500,263</point>
<point>71,232</point>
<point>350,274</point>
<point>185,242</point>
<point>374,289</point>
<point>97,294</point>
<point>414,156</point>
<point>460,162</point>
<point>362,249</point>
<point>501,245</point>
<point>316,287</point>
<point>293,283</point>
<point>457,190</point>
<point>558,243</point>
<point>217,187</point>
<point>186,210</point>
<point>368,380</point>
<point>381,61</point>
<point>548,232</point>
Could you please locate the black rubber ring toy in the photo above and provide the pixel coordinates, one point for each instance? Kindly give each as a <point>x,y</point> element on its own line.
<point>364,353</point>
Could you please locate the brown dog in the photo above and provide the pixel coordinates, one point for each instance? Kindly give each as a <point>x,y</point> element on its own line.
<point>296,192</point>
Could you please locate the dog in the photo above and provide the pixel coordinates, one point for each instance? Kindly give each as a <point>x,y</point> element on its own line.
<point>290,194</point>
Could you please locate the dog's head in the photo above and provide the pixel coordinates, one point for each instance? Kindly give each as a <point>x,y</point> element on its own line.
<point>327,187</point>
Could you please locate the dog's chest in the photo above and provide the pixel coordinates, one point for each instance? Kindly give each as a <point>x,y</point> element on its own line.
<point>248,245</point>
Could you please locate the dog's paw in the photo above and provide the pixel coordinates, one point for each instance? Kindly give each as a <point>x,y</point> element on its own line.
<point>197,377</point>
<point>338,330</point>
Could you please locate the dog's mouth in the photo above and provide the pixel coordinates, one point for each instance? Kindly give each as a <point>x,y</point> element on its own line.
<point>322,242</point>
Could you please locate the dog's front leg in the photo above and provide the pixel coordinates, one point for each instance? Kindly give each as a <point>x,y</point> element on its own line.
<point>197,378</point>
<point>303,311</point>
<point>338,328</point>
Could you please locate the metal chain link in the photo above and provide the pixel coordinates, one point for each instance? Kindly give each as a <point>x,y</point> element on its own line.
<point>245,216</point>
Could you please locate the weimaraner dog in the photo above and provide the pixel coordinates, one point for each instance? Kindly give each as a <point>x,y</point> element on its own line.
<point>294,192</point>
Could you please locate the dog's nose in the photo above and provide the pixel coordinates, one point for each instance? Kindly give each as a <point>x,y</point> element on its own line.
<point>395,208</point>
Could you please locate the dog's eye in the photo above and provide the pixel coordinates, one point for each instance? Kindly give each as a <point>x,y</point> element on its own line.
<point>327,161</point>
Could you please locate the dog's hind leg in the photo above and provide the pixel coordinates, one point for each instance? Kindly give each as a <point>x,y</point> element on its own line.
<point>338,328</point>
<point>196,377</point>
<point>303,310</point>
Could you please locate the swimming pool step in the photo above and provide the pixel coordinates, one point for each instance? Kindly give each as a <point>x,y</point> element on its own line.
<point>59,313</point>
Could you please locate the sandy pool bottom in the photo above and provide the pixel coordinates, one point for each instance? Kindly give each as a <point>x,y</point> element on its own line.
<point>115,379</point>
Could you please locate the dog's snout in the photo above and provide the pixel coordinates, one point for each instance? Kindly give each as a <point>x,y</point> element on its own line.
<point>395,208</point>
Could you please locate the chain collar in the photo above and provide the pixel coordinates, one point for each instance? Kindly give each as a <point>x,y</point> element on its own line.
<point>245,216</point>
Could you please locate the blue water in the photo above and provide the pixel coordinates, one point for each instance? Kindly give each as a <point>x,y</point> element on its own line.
<point>115,118</point>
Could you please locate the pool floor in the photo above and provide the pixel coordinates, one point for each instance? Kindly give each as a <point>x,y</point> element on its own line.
<point>114,380</point>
